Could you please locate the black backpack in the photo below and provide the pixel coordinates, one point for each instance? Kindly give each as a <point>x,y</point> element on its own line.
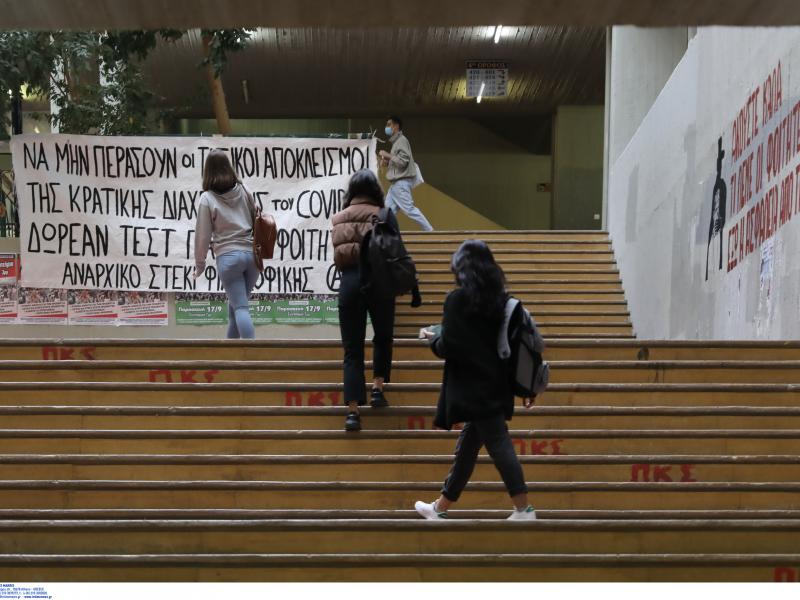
<point>528,371</point>
<point>387,270</point>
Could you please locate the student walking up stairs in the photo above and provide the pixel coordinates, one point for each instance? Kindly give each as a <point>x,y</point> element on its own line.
<point>226,460</point>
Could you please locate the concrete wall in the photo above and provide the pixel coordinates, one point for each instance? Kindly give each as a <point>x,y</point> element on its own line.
<point>578,168</point>
<point>642,61</point>
<point>663,186</point>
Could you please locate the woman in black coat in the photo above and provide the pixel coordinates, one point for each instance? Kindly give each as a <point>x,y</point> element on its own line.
<point>476,389</point>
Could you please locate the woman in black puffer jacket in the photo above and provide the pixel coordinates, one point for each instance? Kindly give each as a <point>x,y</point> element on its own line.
<point>476,389</point>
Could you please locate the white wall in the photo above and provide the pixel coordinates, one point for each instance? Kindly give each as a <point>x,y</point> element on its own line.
<point>661,189</point>
<point>642,60</point>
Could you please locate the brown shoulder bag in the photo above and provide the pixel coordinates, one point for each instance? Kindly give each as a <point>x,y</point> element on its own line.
<point>265,233</point>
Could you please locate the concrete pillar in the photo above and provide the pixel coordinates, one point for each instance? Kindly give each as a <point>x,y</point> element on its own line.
<point>642,60</point>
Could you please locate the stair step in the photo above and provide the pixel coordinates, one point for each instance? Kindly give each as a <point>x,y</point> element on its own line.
<point>205,494</point>
<point>136,536</point>
<point>399,567</point>
<point>405,349</point>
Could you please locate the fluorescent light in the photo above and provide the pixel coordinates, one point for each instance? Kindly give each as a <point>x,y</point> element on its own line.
<point>497,31</point>
<point>480,94</point>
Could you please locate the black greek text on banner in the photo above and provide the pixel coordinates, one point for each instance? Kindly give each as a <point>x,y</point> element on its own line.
<point>118,213</point>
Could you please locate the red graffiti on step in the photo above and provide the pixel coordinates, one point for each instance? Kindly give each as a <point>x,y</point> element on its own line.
<point>313,399</point>
<point>68,353</point>
<point>785,575</point>
<point>662,473</point>
<point>167,376</point>
<point>538,447</point>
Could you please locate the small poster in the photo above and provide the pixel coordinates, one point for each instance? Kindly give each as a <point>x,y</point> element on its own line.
<point>330,310</point>
<point>9,269</point>
<point>262,311</point>
<point>8,304</point>
<point>142,308</point>
<point>92,307</point>
<point>201,309</point>
<point>299,311</point>
<point>42,305</point>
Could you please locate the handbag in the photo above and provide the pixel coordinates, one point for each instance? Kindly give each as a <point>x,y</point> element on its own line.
<point>265,233</point>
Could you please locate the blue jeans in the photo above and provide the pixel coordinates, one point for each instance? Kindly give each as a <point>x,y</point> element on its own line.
<point>399,196</point>
<point>238,273</point>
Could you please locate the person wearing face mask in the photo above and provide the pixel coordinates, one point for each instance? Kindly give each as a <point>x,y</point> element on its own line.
<point>401,172</point>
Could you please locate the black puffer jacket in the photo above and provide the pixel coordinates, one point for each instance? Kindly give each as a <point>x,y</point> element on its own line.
<point>476,380</point>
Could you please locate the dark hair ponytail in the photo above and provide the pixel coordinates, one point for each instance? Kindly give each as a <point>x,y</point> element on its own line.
<point>481,278</point>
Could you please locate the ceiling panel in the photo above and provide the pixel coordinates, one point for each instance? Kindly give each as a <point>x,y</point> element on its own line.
<point>359,72</point>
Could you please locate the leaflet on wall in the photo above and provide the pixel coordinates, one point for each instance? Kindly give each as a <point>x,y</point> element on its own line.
<point>8,304</point>
<point>9,269</point>
<point>42,306</point>
<point>142,308</point>
<point>201,309</point>
<point>92,307</point>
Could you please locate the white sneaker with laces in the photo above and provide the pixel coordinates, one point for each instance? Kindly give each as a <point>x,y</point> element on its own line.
<point>523,515</point>
<point>429,510</point>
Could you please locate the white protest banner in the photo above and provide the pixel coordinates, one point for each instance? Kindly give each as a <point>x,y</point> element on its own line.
<point>118,213</point>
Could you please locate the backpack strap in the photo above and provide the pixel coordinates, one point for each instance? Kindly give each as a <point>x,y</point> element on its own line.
<point>503,347</point>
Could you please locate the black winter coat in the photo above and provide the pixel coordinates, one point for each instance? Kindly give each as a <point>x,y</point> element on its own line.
<point>476,380</point>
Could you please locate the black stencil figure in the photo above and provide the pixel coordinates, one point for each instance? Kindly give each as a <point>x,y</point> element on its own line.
<point>718,208</point>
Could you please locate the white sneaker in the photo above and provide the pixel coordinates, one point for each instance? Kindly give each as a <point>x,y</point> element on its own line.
<point>523,515</point>
<point>429,510</point>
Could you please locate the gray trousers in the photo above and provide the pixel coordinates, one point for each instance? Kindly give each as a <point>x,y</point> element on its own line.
<point>399,197</point>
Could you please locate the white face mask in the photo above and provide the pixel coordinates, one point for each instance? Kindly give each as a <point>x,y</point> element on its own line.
<point>389,131</point>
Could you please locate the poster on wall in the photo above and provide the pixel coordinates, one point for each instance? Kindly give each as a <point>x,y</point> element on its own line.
<point>138,308</point>
<point>262,311</point>
<point>9,269</point>
<point>92,307</point>
<point>201,309</point>
<point>298,311</point>
<point>119,213</point>
<point>42,306</point>
<point>8,304</point>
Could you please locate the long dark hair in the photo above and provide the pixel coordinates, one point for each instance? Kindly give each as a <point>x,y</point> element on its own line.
<point>218,174</point>
<point>481,278</point>
<point>364,184</point>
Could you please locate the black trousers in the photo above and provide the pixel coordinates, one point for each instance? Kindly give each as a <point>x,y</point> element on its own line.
<point>353,309</point>
<point>492,433</point>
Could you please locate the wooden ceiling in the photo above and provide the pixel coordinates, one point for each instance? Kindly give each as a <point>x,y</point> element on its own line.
<point>318,72</point>
<point>215,14</point>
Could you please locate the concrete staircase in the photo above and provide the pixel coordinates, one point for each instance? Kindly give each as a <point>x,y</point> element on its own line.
<point>215,460</point>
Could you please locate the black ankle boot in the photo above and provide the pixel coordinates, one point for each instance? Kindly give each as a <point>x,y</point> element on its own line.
<point>352,422</point>
<point>377,399</point>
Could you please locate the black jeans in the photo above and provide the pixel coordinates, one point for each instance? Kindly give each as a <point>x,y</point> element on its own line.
<point>353,309</point>
<point>492,433</point>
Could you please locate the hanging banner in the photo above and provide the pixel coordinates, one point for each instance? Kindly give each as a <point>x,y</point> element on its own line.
<point>92,307</point>
<point>119,213</point>
<point>201,309</point>
<point>8,304</point>
<point>42,306</point>
<point>136,308</point>
<point>9,269</point>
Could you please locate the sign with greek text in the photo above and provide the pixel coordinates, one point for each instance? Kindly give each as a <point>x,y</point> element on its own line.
<point>119,213</point>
